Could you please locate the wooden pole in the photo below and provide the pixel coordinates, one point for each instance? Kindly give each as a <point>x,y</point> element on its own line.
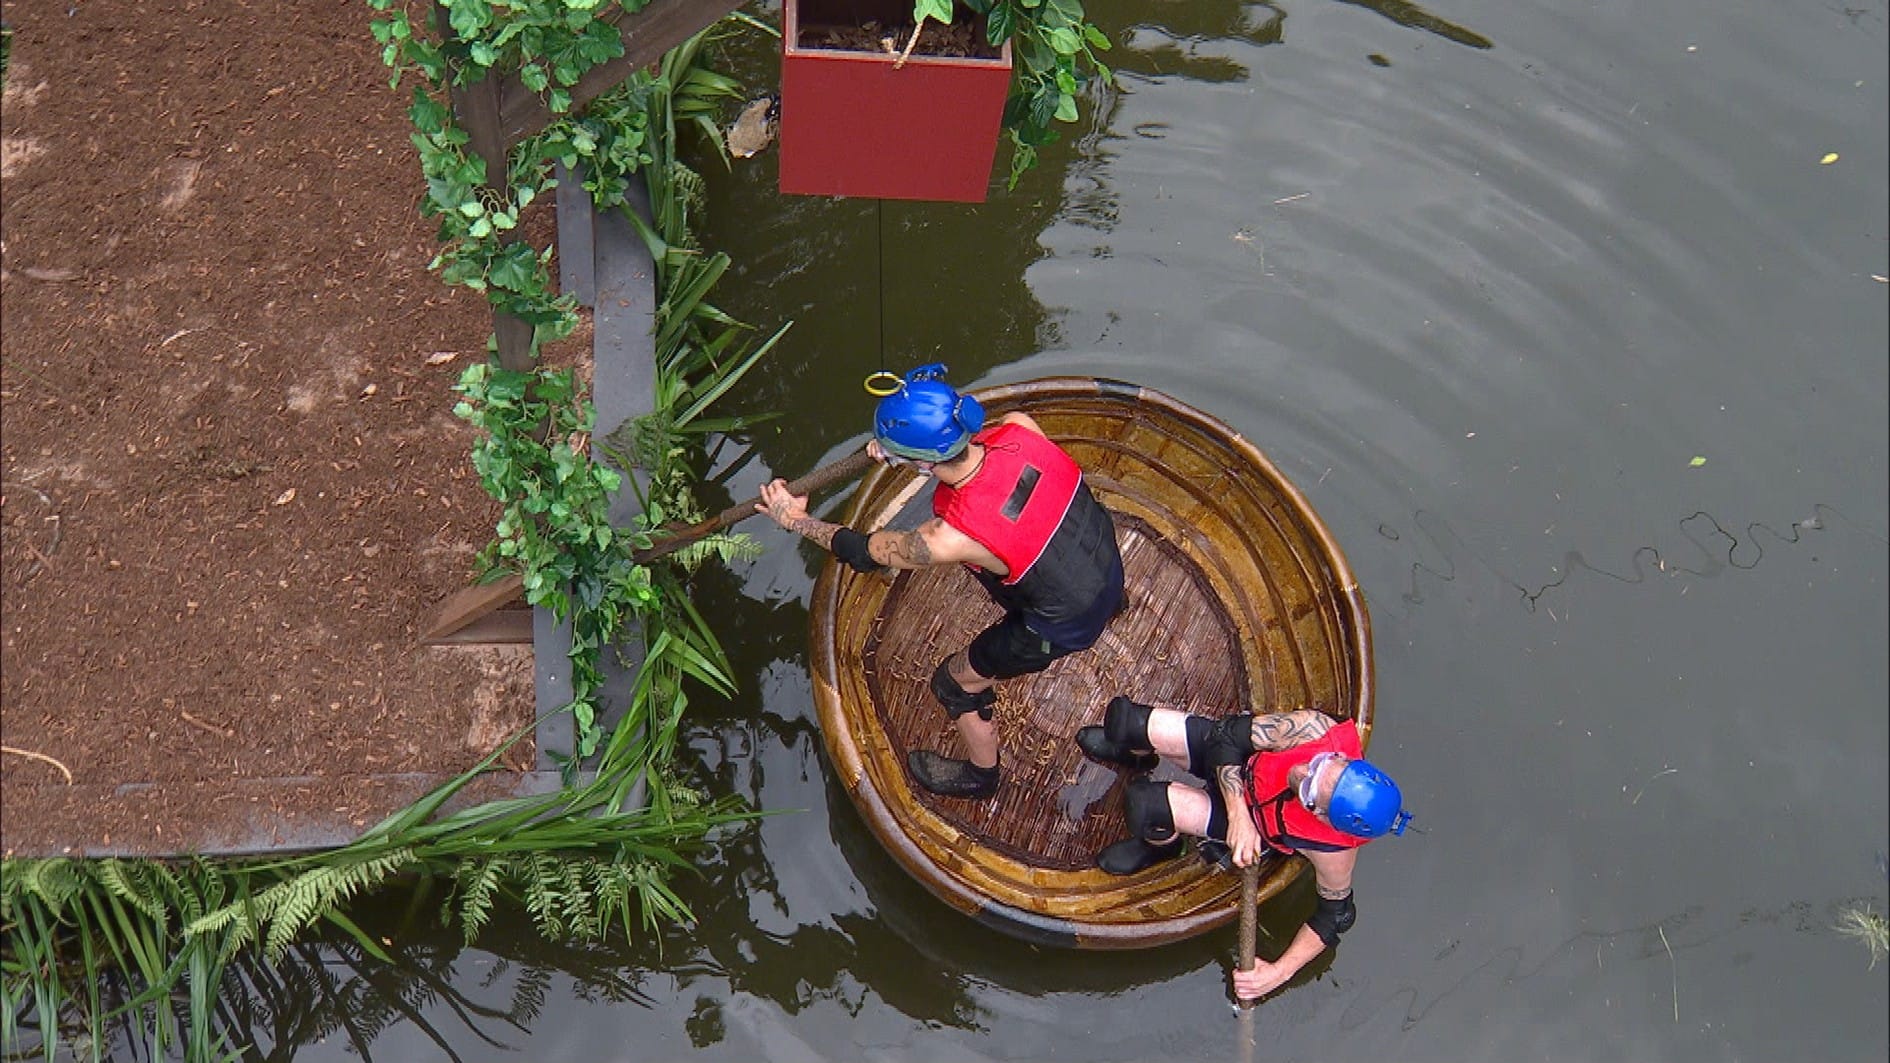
<point>1249,926</point>
<point>468,605</point>
<point>848,468</point>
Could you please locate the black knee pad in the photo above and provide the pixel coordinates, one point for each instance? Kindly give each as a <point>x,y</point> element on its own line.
<point>956,699</point>
<point>1125,723</point>
<point>1147,811</point>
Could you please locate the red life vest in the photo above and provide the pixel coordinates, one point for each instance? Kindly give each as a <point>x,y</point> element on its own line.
<point>1015,500</point>
<point>1283,821</point>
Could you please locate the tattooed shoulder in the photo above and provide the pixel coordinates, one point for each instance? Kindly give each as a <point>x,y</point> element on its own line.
<point>1283,730</point>
<point>911,549</point>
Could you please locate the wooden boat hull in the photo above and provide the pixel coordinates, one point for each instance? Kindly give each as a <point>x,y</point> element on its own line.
<point>1239,600</point>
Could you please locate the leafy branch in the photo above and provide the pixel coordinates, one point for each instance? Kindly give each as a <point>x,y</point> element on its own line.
<point>1052,42</point>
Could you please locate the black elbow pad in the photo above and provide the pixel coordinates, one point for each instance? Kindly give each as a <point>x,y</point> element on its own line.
<point>850,546</point>
<point>1332,918</point>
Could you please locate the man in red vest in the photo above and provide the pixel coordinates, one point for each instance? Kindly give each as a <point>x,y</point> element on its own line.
<point>1288,781</point>
<point>1012,507</point>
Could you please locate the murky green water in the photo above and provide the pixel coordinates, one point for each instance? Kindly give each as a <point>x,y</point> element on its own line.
<point>1488,307</point>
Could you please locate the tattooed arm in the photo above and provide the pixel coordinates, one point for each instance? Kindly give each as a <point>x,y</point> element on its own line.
<point>1243,836</point>
<point>931,543</point>
<point>1332,916</point>
<point>1284,730</point>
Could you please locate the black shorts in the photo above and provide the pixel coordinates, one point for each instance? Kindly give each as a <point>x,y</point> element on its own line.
<point>1010,648</point>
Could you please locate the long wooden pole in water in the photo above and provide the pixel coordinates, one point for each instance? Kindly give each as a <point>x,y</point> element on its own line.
<point>470,604</point>
<point>837,472</point>
<point>1249,927</point>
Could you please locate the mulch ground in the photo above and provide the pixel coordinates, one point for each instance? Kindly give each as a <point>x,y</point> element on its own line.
<point>233,486</point>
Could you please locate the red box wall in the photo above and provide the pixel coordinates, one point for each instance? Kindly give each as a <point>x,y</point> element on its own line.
<point>852,125</point>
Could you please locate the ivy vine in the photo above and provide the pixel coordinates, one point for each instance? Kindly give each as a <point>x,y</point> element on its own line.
<point>1052,44</point>
<point>534,452</point>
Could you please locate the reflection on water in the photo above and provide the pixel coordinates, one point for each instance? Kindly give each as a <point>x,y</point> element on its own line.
<point>1168,36</point>
<point>465,1002</point>
<point>1406,14</point>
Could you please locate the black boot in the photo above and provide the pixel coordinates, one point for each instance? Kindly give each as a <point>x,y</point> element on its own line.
<point>1130,855</point>
<point>1215,854</point>
<point>949,777</point>
<point>1095,743</point>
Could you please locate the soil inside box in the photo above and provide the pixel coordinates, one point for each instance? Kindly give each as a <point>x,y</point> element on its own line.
<point>885,27</point>
<point>958,40</point>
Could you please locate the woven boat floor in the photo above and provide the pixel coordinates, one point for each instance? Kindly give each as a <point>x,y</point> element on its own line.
<point>1172,643</point>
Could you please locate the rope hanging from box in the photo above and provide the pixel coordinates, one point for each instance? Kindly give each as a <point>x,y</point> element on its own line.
<point>883,382</point>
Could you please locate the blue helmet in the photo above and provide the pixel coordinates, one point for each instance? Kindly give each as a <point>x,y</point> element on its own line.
<point>1365,802</point>
<point>926,420</point>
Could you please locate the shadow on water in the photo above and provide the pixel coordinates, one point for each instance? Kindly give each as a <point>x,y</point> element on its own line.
<point>909,954</point>
<point>467,1002</point>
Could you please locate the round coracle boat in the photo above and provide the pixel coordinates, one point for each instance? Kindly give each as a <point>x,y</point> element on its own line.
<point>1238,601</point>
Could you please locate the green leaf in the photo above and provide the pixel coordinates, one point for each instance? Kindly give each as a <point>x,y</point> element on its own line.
<point>1000,24</point>
<point>1060,13</point>
<point>468,17</point>
<point>514,268</point>
<point>937,10</point>
<point>428,115</point>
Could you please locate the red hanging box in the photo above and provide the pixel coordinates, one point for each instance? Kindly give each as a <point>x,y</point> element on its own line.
<point>853,124</point>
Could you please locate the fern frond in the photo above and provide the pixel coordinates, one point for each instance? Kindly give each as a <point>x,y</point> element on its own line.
<point>476,881</point>
<point>53,881</point>
<point>576,896</point>
<point>294,904</point>
<point>540,881</point>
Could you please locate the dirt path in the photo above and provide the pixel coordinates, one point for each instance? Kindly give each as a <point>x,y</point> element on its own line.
<point>232,482</point>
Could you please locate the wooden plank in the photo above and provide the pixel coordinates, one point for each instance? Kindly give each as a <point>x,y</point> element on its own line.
<point>468,605</point>
<point>465,607</point>
<point>577,238</point>
<point>501,627</point>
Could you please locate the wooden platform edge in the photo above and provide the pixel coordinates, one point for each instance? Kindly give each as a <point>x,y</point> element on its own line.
<point>468,605</point>
<point>505,626</point>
